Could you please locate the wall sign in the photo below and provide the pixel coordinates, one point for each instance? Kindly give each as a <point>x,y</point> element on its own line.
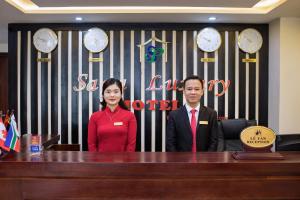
<point>153,52</point>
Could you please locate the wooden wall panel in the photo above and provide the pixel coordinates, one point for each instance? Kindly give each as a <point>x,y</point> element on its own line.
<point>3,82</point>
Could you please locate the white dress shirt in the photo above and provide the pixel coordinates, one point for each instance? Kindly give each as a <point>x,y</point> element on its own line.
<point>189,109</point>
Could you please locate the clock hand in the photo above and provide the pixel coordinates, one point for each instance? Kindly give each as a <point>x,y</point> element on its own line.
<point>208,40</point>
<point>41,39</point>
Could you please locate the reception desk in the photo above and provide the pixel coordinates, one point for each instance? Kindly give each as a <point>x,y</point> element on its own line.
<point>86,175</point>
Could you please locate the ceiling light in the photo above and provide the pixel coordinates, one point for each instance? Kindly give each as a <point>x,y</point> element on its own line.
<point>78,18</point>
<point>266,3</point>
<point>28,6</point>
<point>212,18</point>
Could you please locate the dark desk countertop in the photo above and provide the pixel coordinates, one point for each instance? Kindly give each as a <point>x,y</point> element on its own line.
<point>89,175</point>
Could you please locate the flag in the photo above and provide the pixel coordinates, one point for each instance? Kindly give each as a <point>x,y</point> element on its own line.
<point>12,140</point>
<point>7,120</point>
<point>3,134</point>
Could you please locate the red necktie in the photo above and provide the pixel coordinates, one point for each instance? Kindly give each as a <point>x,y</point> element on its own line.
<point>193,126</point>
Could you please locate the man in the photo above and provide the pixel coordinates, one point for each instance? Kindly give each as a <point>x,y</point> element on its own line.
<point>192,127</point>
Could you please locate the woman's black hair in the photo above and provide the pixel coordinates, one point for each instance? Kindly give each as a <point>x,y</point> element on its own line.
<point>107,83</point>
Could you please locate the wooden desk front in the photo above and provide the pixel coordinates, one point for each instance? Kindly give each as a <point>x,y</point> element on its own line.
<point>85,175</point>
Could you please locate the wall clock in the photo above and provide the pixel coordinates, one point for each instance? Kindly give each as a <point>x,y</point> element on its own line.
<point>250,40</point>
<point>95,40</point>
<point>209,39</point>
<point>45,40</point>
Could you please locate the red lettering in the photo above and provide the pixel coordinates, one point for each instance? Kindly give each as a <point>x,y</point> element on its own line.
<point>168,84</point>
<point>211,84</point>
<point>81,82</point>
<point>127,103</point>
<point>152,104</point>
<point>164,105</point>
<point>225,87</point>
<point>92,86</point>
<point>152,83</point>
<point>135,105</point>
<point>174,104</point>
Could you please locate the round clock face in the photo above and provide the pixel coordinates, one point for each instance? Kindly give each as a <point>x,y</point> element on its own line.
<point>209,40</point>
<point>95,40</point>
<point>45,40</point>
<point>250,40</point>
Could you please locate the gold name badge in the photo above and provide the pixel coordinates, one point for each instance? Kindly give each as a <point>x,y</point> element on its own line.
<point>203,122</point>
<point>118,123</point>
<point>207,59</point>
<point>95,59</point>
<point>258,136</point>
<point>43,59</point>
<point>249,60</point>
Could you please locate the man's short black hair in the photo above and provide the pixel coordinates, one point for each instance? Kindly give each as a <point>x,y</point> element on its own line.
<point>193,77</point>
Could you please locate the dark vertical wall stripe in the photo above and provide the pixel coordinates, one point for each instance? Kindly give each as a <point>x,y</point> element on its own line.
<point>95,75</point>
<point>64,87</point>
<point>179,60</point>
<point>231,74</point>
<point>127,67</point>
<point>221,76</point>
<point>74,83</point>
<point>44,95</point>
<point>211,76</point>
<point>23,96</point>
<point>137,83</point>
<point>242,85</point>
<point>85,95</point>
<point>252,88</point>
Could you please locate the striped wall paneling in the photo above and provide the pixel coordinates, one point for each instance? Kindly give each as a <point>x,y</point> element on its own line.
<point>43,94</point>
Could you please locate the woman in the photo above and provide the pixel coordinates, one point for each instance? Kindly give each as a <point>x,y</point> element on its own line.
<point>113,129</point>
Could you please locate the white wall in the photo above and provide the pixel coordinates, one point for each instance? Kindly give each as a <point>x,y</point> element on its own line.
<point>284,68</point>
<point>3,48</point>
<point>274,71</point>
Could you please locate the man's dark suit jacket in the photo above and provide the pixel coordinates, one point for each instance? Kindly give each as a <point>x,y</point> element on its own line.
<point>179,132</point>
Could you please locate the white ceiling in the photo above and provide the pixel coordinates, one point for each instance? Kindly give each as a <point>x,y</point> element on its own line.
<point>9,14</point>
<point>202,3</point>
